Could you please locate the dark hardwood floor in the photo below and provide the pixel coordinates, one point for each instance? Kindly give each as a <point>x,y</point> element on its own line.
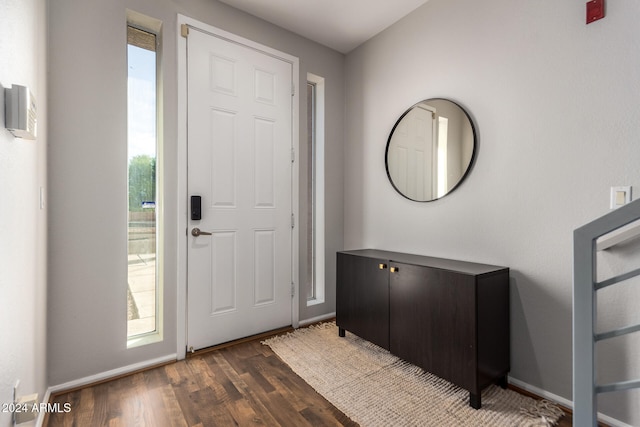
<point>243,384</point>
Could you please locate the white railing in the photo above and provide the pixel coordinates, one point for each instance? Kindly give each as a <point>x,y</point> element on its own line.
<point>614,228</point>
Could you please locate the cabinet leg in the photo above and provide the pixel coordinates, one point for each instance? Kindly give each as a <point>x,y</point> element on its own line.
<point>503,382</point>
<point>341,332</point>
<point>475,400</point>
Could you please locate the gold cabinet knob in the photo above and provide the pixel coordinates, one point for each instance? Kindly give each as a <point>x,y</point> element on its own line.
<point>382,266</point>
<point>394,269</point>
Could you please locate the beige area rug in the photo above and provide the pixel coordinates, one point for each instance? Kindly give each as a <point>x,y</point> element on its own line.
<point>375,388</point>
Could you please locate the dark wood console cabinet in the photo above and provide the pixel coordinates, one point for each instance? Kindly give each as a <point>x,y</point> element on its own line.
<point>450,318</point>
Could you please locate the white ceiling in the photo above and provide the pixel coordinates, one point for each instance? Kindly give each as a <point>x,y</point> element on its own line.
<point>339,24</point>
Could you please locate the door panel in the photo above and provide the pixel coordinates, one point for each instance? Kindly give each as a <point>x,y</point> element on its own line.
<point>239,131</point>
<point>362,301</point>
<point>265,267</point>
<point>441,305</point>
<point>222,159</point>
<point>264,173</point>
<point>223,272</point>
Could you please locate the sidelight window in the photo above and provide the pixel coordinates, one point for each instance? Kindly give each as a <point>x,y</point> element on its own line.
<point>143,172</point>
<point>315,198</point>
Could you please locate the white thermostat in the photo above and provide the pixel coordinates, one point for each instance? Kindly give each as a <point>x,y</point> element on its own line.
<point>20,112</point>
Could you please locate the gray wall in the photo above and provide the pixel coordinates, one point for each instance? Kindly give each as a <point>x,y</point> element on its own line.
<point>87,308</point>
<point>23,225</point>
<point>555,102</point>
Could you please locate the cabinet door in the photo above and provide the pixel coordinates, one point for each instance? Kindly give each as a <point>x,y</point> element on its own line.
<point>432,321</point>
<point>362,297</point>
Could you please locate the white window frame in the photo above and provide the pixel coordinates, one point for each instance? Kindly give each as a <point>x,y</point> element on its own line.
<point>154,26</point>
<point>318,205</point>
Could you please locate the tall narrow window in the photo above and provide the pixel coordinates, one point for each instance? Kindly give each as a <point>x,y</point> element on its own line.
<point>142,289</point>
<point>315,201</point>
<point>311,147</point>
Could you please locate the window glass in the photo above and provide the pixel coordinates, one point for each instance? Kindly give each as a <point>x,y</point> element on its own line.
<point>142,289</point>
<point>311,147</point>
<point>315,200</point>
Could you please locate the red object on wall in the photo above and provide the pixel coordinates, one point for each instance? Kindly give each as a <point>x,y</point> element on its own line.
<point>595,10</point>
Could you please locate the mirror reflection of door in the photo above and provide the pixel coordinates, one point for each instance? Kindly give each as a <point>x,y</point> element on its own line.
<point>412,155</point>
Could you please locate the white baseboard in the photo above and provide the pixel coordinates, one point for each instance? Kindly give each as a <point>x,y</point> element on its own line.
<point>564,402</point>
<point>41,415</point>
<point>317,319</point>
<point>542,393</point>
<point>110,374</point>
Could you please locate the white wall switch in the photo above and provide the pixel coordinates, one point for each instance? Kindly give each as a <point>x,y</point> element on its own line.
<point>620,196</point>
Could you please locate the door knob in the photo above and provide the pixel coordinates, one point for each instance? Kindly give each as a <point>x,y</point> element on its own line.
<point>195,232</point>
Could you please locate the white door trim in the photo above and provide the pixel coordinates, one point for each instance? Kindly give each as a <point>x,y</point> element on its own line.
<point>183,204</point>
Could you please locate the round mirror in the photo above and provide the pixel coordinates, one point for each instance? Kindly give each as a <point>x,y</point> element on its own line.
<point>430,150</point>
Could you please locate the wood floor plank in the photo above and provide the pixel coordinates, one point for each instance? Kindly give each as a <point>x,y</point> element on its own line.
<point>134,403</point>
<point>256,405</point>
<point>187,403</point>
<point>172,373</point>
<point>207,379</point>
<point>167,407</point>
<point>252,371</point>
<point>227,378</point>
<point>272,382</point>
<point>213,416</point>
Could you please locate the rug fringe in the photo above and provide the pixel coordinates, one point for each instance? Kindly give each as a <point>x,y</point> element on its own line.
<point>299,331</point>
<point>547,412</point>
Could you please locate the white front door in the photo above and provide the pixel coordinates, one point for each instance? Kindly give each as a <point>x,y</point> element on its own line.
<point>239,131</point>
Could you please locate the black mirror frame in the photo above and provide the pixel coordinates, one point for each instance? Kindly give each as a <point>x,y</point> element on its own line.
<point>471,161</point>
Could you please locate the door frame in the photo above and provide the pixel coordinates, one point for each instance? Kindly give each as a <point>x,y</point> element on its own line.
<point>183,197</point>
